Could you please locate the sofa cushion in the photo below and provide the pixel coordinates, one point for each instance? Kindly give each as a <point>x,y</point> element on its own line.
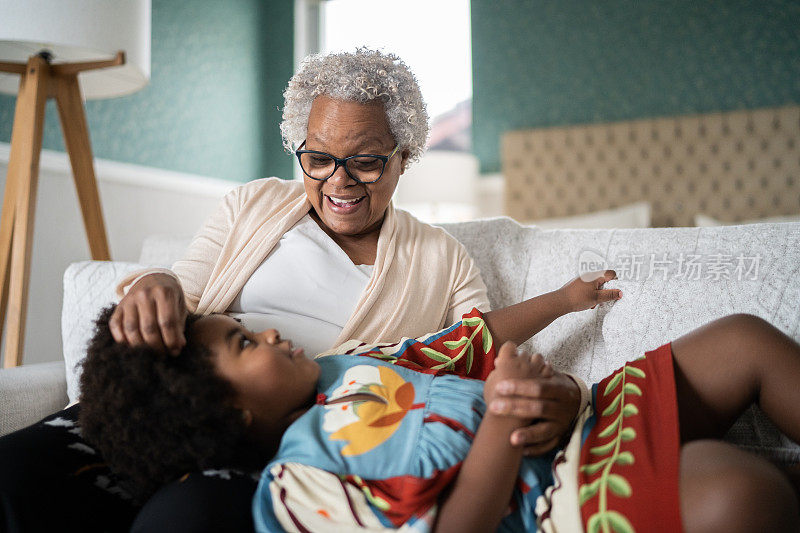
<point>88,287</point>
<point>519,262</point>
<point>499,248</point>
<point>635,215</point>
<point>29,393</point>
<point>703,221</point>
<point>673,280</point>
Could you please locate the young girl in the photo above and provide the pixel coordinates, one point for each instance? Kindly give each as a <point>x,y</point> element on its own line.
<point>399,436</point>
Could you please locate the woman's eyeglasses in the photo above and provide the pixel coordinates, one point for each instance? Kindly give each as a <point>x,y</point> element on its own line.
<point>363,168</point>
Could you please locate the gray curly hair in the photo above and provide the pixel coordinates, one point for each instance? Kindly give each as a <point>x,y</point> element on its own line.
<point>360,76</point>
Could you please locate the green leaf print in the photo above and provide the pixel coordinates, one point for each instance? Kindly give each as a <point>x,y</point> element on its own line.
<point>624,458</point>
<point>593,525</point>
<point>377,501</point>
<point>604,449</point>
<point>436,356</point>
<point>456,344</point>
<point>633,371</point>
<point>620,408</point>
<point>619,485</point>
<point>587,492</point>
<point>472,321</point>
<point>619,522</point>
<point>467,351</point>
<point>591,468</point>
<point>631,388</point>
<point>487,340</point>
<point>613,383</point>
<point>611,427</point>
<point>613,405</point>
<point>630,410</point>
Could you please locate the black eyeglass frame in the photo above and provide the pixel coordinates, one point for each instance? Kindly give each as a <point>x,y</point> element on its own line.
<point>343,162</point>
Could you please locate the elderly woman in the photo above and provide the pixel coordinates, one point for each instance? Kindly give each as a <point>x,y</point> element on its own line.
<point>323,261</point>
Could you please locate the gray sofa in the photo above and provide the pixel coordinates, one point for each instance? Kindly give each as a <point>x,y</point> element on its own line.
<point>673,280</point>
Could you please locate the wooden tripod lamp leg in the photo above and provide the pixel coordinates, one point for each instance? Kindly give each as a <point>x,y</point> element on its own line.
<point>23,174</point>
<point>76,139</point>
<point>7,230</point>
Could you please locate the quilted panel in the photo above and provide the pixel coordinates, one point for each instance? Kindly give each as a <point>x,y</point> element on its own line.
<point>732,166</point>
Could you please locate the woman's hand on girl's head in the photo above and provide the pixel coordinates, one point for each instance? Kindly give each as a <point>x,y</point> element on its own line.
<point>152,313</point>
<point>586,291</point>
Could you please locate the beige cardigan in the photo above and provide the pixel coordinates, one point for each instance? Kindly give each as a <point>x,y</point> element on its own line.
<point>422,280</point>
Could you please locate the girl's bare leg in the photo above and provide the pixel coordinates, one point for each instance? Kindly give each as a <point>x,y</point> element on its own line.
<point>724,488</point>
<point>720,370</point>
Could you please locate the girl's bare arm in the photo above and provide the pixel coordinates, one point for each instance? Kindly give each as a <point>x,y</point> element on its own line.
<point>482,491</point>
<point>518,323</point>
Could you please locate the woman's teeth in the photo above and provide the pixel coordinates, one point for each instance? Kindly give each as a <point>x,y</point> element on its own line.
<point>342,202</point>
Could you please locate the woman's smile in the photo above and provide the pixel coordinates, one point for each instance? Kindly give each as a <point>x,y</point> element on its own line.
<point>344,204</point>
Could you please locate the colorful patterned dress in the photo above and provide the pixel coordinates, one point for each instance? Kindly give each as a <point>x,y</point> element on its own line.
<point>393,424</point>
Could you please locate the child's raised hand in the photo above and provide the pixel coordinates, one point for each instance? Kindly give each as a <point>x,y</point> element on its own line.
<point>585,291</point>
<point>512,363</point>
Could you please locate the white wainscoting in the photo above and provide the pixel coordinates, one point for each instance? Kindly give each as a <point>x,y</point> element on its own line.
<point>137,201</point>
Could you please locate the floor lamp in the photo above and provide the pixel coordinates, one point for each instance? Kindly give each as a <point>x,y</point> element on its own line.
<point>69,50</point>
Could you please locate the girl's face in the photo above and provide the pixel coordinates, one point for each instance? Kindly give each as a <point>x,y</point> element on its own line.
<point>274,383</point>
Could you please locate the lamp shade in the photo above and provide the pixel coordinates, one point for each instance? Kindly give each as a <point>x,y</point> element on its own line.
<point>78,31</point>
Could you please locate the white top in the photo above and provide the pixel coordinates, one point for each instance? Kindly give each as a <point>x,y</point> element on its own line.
<point>306,288</point>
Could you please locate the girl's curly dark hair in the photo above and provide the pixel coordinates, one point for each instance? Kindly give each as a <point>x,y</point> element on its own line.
<point>155,417</point>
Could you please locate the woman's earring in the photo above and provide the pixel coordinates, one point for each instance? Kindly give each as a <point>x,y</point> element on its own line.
<point>247,417</point>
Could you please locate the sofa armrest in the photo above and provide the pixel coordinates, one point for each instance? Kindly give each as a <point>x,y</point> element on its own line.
<point>29,393</point>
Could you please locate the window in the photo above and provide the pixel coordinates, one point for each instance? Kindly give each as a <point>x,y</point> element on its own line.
<point>433,38</point>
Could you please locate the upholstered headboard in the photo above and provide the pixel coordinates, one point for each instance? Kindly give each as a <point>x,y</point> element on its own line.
<point>732,166</point>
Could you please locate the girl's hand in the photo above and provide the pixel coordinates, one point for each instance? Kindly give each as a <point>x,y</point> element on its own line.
<point>153,313</point>
<point>510,364</point>
<point>550,401</point>
<point>585,291</point>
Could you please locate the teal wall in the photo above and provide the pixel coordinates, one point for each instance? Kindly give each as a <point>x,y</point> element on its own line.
<point>539,63</point>
<point>212,105</point>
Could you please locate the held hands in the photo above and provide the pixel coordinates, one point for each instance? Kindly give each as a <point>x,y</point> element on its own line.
<point>512,363</point>
<point>153,313</point>
<point>585,291</point>
<point>526,387</point>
